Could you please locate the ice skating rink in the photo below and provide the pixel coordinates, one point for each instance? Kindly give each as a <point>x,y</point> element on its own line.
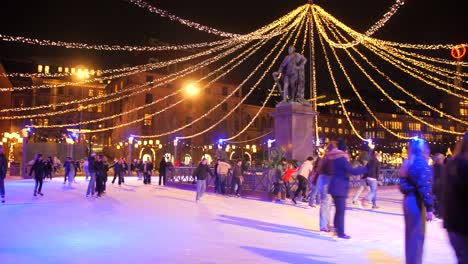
<point>138,223</point>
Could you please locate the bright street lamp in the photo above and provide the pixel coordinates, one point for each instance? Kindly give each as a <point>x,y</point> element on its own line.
<point>192,89</point>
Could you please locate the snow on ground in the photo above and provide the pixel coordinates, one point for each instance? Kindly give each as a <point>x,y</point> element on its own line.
<point>138,223</point>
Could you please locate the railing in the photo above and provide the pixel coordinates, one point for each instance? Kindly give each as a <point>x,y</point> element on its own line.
<point>260,180</point>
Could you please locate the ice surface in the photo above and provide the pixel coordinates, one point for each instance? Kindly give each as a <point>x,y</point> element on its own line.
<point>138,223</point>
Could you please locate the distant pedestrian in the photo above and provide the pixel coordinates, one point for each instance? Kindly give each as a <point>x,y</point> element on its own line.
<point>222,169</point>
<point>147,171</point>
<point>201,173</point>
<point>303,175</point>
<point>416,186</point>
<point>139,169</point>
<point>3,171</point>
<point>237,179</point>
<point>39,170</point>
<point>162,171</point>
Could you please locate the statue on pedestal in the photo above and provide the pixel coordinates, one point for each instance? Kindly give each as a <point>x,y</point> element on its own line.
<point>291,83</point>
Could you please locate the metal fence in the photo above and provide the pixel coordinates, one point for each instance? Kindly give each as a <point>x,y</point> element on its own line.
<point>260,180</point>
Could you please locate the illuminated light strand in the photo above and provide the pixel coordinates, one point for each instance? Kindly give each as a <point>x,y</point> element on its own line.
<point>185,22</point>
<point>158,83</point>
<point>266,99</point>
<point>152,114</point>
<point>237,106</point>
<point>135,69</point>
<point>194,68</point>
<point>396,63</point>
<point>374,28</point>
<point>384,42</point>
<point>248,140</point>
<point>76,45</point>
<point>447,73</point>
<point>394,83</point>
<point>313,74</point>
<point>381,124</point>
<point>330,71</point>
<point>414,73</point>
<point>306,32</point>
<point>391,98</point>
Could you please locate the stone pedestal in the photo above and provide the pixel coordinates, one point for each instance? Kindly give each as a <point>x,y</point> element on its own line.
<point>295,130</point>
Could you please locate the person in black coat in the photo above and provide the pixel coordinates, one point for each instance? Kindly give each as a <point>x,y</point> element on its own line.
<point>3,171</point>
<point>67,166</point>
<point>162,171</point>
<point>338,159</point>
<point>119,170</point>
<point>147,171</point>
<point>39,170</point>
<point>101,175</point>
<point>454,200</point>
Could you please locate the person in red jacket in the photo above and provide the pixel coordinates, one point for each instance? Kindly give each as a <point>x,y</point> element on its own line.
<point>287,177</point>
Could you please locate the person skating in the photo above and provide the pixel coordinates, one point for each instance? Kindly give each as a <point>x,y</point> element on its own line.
<point>3,171</point>
<point>39,169</point>
<point>92,172</point>
<point>416,186</point>
<point>162,171</point>
<point>438,170</point>
<point>339,184</point>
<point>372,177</point>
<point>303,175</point>
<point>363,185</point>
<point>147,171</point>
<point>71,173</point>
<point>287,178</point>
<point>48,168</point>
<point>454,200</point>
<point>222,169</point>
<point>139,169</point>
<point>101,171</point>
<point>119,170</point>
<point>237,178</point>
<point>86,168</point>
<point>200,173</point>
<point>67,166</point>
<point>325,172</point>
<point>277,180</point>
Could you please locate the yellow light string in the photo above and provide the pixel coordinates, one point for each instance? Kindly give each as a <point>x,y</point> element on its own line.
<point>252,120</point>
<point>248,140</point>
<point>374,28</point>
<point>229,113</point>
<point>155,83</point>
<point>243,99</point>
<point>393,82</point>
<point>393,100</point>
<point>155,113</point>
<point>313,75</point>
<point>330,70</point>
<point>139,91</point>
<point>396,63</point>
<point>306,32</point>
<point>328,16</point>
<point>104,47</point>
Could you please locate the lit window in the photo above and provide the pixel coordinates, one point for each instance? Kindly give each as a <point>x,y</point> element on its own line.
<point>91,92</point>
<point>73,70</point>
<point>340,121</point>
<point>452,129</point>
<point>46,122</point>
<point>60,69</point>
<point>90,109</point>
<point>100,92</point>
<point>415,126</point>
<point>394,116</point>
<point>327,130</point>
<point>99,108</point>
<point>67,69</point>
<point>39,68</point>
<point>46,69</point>
<point>340,131</point>
<point>147,121</point>
<point>381,134</point>
<point>463,112</point>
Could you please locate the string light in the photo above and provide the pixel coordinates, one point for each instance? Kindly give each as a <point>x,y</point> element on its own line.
<point>387,95</point>
<point>156,83</point>
<point>103,47</point>
<point>249,140</point>
<point>243,99</point>
<point>379,24</point>
<point>232,110</point>
<point>394,83</point>
<point>313,75</point>
<point>330,71</point>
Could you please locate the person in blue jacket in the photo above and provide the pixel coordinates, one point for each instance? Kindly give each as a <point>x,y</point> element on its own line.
<point>341,168</point>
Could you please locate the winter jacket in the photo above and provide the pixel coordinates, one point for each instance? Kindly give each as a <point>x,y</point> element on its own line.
<point>438,171</point>
<point>306,168</point>
<point>455,196</point>
<point>38,168</point>
<point>3,166</point>
<point>148,167</point>
<point>373,169</point>
<point>418,181</point>
<point>92,165</point>
<point>118,168</point>
<point>162,167</point>
<point>223,168</point>
<point>202,171</point>
<point>288,174</point>
<point>237,171</point>
<point>339,182</point>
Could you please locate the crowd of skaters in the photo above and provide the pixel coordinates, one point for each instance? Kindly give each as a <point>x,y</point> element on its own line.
<point>433,186</point>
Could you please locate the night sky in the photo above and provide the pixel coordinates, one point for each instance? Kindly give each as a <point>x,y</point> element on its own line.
<point>119,22</point>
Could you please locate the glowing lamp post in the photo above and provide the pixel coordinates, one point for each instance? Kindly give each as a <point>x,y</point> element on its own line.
<point>131,139</point>
<point>175,149</point>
